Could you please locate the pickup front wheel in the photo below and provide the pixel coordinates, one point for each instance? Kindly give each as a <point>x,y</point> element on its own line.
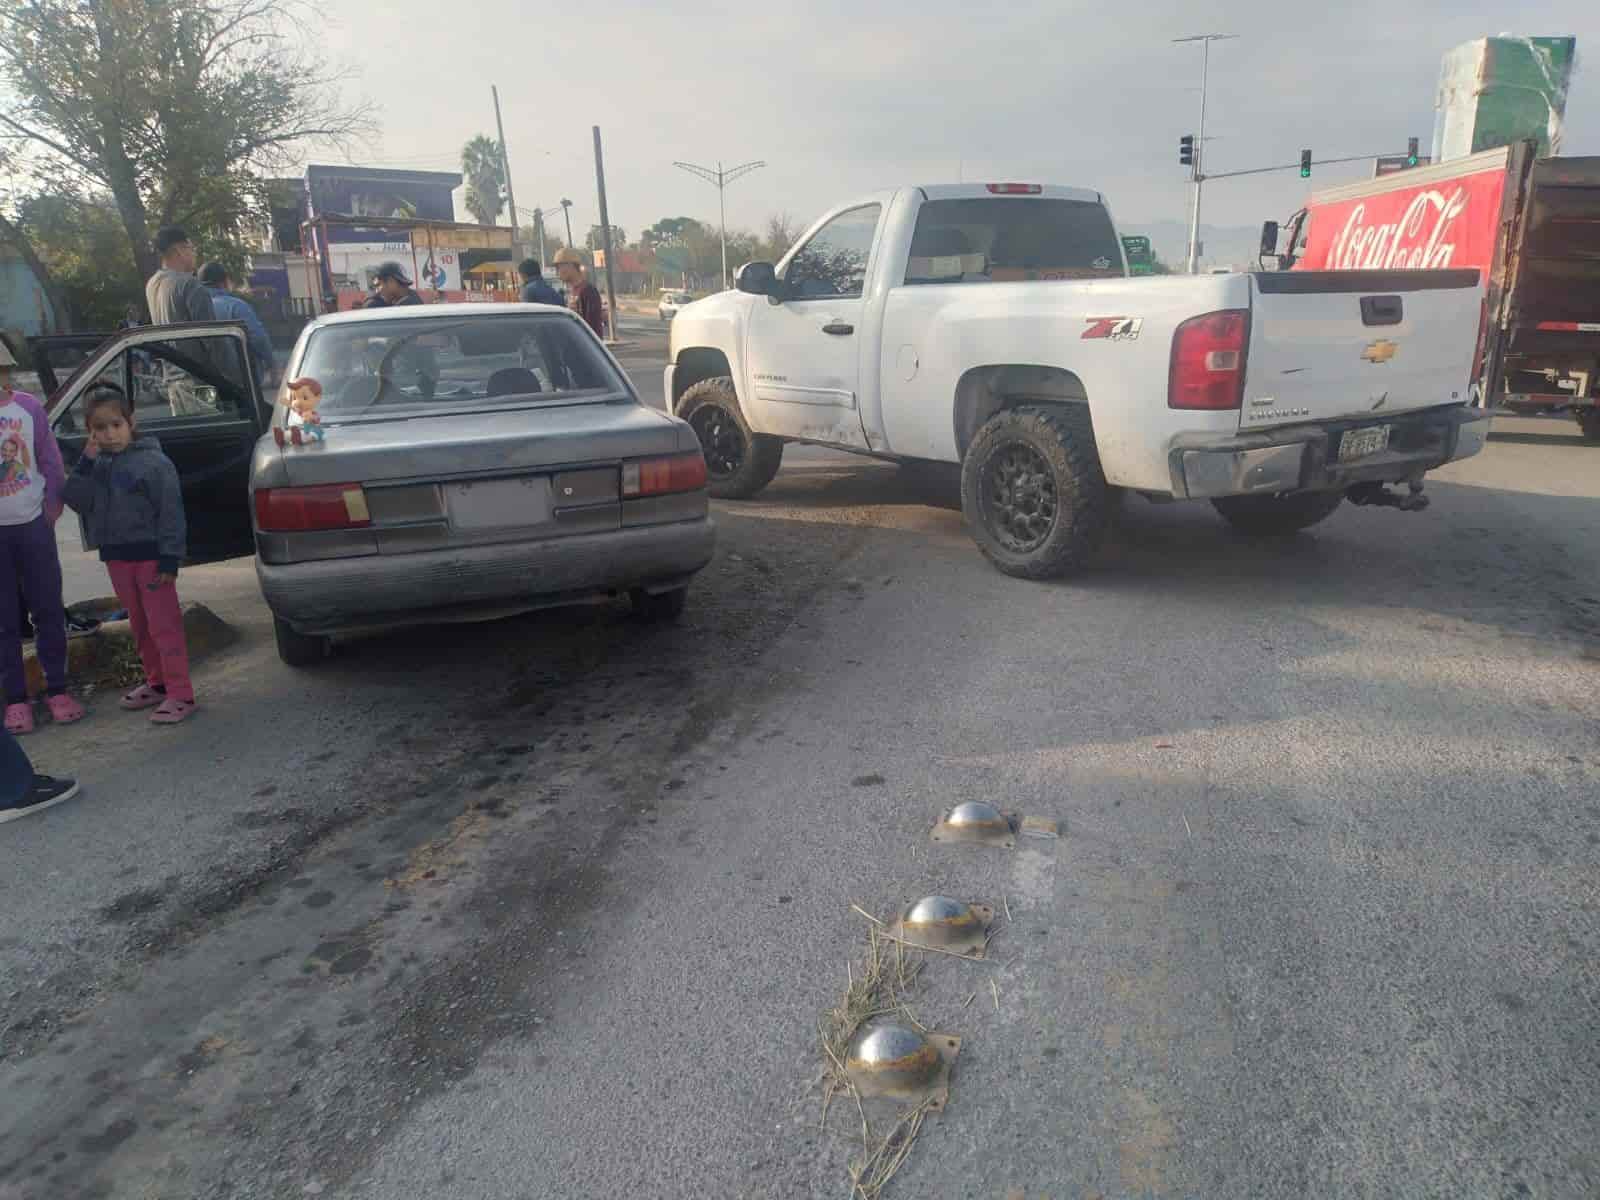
<point>1277,516</point>
<point>1033,492</point>
<point>738,463</point>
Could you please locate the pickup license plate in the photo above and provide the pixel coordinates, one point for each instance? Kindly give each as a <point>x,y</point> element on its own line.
<point>1360,443</point>
<point>499,503</point>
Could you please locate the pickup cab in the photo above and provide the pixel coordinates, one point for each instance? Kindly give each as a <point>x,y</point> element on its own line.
<point>997,326</point>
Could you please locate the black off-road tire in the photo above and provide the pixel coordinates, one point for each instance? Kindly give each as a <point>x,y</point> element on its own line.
<point>1277,515</point>
<point>1589,422</point>
<point>658,606</point>
<point>738,463</point>
<point>299,649</point>
<point>1032,491</point>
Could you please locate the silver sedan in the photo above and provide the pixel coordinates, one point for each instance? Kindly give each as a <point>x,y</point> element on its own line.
<point>463,461</point>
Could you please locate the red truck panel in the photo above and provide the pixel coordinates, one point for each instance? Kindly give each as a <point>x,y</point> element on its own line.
<point>1448,223</point>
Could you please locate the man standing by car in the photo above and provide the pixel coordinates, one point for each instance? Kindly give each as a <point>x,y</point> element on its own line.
<point>535,288</point>
<point>232,307</point>
<point>584,296</point>
<point>391,287</point>
<point>174,297</point>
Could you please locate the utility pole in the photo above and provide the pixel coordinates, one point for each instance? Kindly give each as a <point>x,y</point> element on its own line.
<point>605,234</point>
<point>1198,175</point>
<point>505,166</point>
<point>566,211</point>
<point>721,179</point>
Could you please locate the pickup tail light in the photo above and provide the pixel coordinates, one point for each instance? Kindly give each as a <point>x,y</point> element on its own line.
<point>1015,189</point>
<point>1208,356</point>
<point>304,509</point>
<point>661,476</point>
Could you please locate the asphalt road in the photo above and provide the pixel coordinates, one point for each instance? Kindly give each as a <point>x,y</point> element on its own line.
<point>552,906</point>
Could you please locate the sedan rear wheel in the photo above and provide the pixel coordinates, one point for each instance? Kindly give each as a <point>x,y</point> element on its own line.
<point>659,606</point>
<point>299,649</point>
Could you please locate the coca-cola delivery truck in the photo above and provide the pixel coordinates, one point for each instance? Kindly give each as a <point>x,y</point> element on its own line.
<point>1530,225</point>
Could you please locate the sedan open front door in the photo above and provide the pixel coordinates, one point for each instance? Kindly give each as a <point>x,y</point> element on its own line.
<point>192,388</point>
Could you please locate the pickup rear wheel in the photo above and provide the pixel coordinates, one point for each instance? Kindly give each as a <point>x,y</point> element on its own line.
<point>1279,515</point>
<point>739,463</point>
<point>1589,422</point>
<point>1032,490</point>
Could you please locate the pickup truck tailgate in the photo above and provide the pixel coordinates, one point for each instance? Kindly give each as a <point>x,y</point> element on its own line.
<point>1331,345</point>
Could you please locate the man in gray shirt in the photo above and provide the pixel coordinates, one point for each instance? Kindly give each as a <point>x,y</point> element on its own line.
<point>176,297</point>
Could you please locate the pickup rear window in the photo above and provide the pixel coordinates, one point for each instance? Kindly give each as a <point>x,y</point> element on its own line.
<point>1011,240</point>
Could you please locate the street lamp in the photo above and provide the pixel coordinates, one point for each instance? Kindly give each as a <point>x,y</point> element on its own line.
<point>1198,172</point>
<point>566,211</point>
<point>721,179</point>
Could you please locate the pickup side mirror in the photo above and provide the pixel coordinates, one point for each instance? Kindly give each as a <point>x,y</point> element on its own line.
<point>1269,237</point>
<point>756,279</point>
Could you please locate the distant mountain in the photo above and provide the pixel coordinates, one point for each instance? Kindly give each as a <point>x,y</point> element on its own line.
<point>1223,245</point>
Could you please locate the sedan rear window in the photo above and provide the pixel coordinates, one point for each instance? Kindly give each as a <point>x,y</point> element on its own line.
<point>410,367</point>
<point>1012,240</point>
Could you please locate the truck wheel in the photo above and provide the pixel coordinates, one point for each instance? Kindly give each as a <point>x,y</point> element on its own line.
<point>1277,516</point>
<point>738,463</point>
<point>1032,490</point>
<point>1589,422</point>
<point>299,649</point>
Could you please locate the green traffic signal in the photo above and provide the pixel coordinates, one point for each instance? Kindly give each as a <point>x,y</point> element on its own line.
<point>1411,152</point>
<point>1305,164</point>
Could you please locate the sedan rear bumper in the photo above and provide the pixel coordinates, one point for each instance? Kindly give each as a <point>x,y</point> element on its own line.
<point>381,590</point>
<point>1305,458</point>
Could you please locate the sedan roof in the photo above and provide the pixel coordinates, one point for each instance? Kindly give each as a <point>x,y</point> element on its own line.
<point>417,312</point>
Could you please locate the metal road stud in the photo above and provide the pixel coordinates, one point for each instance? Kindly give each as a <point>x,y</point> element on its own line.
<point>944,923</point>
<point>891,1059</point>
<point>976,821</point>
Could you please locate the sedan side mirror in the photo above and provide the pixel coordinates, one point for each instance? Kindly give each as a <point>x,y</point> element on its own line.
<point>756,279</point>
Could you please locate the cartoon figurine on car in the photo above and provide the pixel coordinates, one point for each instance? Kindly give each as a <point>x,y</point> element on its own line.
<point>304,424</point>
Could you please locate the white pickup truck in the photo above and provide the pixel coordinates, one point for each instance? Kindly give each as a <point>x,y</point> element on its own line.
<point>996,326</point>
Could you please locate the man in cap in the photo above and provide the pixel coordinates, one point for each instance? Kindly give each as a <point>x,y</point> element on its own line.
<point>535,288</point>
<point>584,297</point>
<point>176,297</point>
<point>230,306</point>
<point>391,287</point>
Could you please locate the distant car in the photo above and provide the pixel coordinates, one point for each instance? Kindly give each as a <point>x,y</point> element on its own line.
<point>671,302</point>
<point>477,459</point>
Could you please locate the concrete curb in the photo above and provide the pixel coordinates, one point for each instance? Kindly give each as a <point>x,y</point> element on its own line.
<point>112,644</point>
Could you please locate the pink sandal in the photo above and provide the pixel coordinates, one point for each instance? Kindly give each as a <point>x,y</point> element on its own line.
<point>143,696</point>
<point>172,711</point>
<point>19,718</point>
<point>64,710</point>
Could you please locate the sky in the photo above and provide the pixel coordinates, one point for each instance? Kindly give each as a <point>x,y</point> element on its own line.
<point>841,99</point>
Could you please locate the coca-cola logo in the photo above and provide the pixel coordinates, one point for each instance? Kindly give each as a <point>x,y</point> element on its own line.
<point>1422,237</point>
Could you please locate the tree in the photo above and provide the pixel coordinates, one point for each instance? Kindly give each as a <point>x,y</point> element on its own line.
<point>619,238</point>
<point>176,110</point>
<point>669,231</point>
<point>782,232</point>
<point>484,165</point>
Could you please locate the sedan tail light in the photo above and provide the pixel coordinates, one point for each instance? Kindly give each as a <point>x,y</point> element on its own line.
<point>660,476</point>
<point>303,509</point>
<point>1208,361</point>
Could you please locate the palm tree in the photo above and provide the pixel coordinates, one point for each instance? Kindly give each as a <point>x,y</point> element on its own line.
<point>484,166</point>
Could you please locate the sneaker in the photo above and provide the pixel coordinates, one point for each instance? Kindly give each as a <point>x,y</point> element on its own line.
<point>45,793</point>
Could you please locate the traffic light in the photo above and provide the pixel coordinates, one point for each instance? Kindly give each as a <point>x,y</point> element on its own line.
<point>1186,149</point>
<point>1411,152</point>
<point>1305,164</point>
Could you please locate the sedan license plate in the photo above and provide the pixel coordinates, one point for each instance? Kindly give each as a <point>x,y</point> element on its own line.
<point>1360,443</point>
<point>499,503</point>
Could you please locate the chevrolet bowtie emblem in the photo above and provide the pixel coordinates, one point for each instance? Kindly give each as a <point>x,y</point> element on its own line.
<point>1380,351</point>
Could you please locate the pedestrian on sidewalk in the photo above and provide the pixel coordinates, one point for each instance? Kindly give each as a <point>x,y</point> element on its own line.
<point>23,791</point>
<point>536,288</point>
<point>584,297</point>
<point>31,493</point>
<point>126,489</point>
<point>230,306</point>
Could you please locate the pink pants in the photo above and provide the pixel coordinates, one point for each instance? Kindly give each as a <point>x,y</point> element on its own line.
<point>157,626</point>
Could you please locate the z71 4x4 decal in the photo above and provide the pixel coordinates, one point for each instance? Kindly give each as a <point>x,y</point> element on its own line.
<point>1116,329</point>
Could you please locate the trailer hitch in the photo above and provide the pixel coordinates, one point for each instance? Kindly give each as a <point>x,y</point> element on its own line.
<point>1378,495</point>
